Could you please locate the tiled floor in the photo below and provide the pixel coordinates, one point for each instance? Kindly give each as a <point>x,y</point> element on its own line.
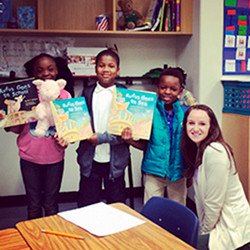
<point>9,216</point>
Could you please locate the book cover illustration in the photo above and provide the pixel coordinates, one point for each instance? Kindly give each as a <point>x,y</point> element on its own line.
<point>18,100</point>
<point>72,119</point>
<point>26,17</point>
<point>134,109</point>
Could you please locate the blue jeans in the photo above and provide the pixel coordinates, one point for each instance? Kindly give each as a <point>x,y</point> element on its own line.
<point>42,184</point>
<point>90,188</point>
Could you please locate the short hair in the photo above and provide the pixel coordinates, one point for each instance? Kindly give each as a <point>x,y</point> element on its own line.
<point>108,52</point>
<point>176,72</point>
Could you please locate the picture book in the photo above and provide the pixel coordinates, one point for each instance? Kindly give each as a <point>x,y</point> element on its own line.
<point>18,100</point>
<point>5,13</point>
<point>134,109</point>
<point>26,17</point>
<point>81,60</point>
<point>72,119</point>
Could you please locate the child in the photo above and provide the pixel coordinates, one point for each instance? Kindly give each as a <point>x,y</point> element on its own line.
<point>41,159</point>
<point>222,207</point>
<point>45,66</point>
<point>162,166</point>
<point>103,157</point>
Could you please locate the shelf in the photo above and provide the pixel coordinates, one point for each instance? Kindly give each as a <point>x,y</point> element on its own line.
<point>77,18</point>
<point>31,32</point>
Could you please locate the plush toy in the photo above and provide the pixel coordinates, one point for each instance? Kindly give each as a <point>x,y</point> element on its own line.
<point>48,90</point>
<point>130,18</point>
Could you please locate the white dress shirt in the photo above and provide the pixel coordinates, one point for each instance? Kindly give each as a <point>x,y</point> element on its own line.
<point>101,103</point>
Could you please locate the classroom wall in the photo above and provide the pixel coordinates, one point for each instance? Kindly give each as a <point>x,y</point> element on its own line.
<point>200,55</point>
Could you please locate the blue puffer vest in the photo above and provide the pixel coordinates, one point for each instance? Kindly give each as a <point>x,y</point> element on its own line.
<point>163,157</point>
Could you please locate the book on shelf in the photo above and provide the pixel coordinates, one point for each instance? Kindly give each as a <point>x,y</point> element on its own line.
<point>81,60</point>
<point>134,109</point>
<point>26,17</point>
<point>18,100</point>
<point>178,15</point>
<point>5,13</point>
<point>72,120</point>
<point>140,28</point>
<point>153,15</point>
<point>172,15</point>
<point>162,19</point>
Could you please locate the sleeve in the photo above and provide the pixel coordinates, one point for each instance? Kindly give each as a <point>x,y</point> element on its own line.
<point>216,164</point>
<point>109,138</point>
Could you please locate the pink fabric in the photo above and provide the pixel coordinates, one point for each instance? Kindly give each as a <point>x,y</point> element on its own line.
<point>43,150</point>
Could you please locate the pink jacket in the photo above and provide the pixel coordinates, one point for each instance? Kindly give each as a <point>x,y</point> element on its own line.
<point>44,150</point>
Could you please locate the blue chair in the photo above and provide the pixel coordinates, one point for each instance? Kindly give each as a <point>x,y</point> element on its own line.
<point>173,217</point>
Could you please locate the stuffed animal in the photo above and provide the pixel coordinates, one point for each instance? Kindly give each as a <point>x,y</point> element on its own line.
<point>130,18</point>
<point>48,90</point>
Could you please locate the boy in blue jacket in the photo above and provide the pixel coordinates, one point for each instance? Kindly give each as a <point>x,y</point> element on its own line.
<point>162,165</point>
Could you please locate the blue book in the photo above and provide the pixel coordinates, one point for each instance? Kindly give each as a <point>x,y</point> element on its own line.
<point>26,17</point>
<point>5,12</point>
<point>72,120</point>
<point>134,109</point>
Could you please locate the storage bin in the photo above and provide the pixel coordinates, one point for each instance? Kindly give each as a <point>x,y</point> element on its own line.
<point>236,97</point>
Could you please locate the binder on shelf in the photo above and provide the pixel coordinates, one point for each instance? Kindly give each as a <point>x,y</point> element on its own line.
<point>162,16</point>
<point>154,13</point>
<point>178,15</point>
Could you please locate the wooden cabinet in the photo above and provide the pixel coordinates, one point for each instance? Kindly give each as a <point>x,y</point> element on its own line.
<point>236,131</point>
<point>77,17</point>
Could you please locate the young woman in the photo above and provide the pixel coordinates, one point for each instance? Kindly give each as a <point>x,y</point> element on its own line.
<point>222,207</point>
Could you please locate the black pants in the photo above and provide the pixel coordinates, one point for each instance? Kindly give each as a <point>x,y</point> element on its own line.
<point>90,188</point>
<point>42,184</point>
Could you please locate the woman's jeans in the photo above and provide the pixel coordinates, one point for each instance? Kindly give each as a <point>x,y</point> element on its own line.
<point>42,184</point>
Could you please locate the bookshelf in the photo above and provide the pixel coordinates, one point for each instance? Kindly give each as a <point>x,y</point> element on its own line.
<point>77,18</point>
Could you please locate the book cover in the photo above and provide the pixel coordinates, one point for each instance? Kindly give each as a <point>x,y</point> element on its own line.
<point>173,16</point>
<point>81,60</point>
<point>134,109</point>
<point>178,15</point>
<point>72,119</point>
<point>162,21</point>
<point>18,100</point>
<point>152,12</point>
<point>5,12</point>
<point>26,17</point>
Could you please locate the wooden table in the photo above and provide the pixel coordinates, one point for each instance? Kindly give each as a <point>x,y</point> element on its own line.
<point>11,239</point>
<point>145,236</point>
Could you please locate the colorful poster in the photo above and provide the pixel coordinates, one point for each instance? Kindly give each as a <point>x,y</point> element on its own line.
<point>134,109</point>
<point>18,100</point>
<point>236,47</point>
<point>72,119</point>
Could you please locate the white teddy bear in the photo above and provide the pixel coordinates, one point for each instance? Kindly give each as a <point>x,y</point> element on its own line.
<point>48,90</point>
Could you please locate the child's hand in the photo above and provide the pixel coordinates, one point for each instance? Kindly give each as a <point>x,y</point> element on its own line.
<point>2,115</point>
<point>127,134</point>
<point>60,141</point>
<point>93,139</point>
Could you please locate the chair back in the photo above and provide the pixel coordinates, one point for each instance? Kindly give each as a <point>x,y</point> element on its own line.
<point>173,217</point>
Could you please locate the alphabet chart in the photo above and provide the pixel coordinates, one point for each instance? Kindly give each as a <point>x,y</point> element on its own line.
<point>16,51</point>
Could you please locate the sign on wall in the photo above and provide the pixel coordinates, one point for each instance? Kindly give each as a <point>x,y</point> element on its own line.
<point>236,40</point>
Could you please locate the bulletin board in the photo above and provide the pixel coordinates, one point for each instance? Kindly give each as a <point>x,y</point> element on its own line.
<point>236,41</point>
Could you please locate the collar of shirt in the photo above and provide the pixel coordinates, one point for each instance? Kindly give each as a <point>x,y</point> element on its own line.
<point>99,88</point>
